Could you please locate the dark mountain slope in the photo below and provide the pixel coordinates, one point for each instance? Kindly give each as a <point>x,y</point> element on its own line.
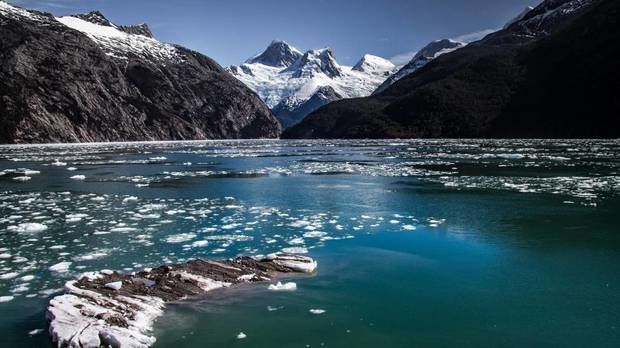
<point>58,84</point>
<point>558,82</point>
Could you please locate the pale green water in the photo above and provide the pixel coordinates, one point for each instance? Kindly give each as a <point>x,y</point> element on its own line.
<point>515,243</point>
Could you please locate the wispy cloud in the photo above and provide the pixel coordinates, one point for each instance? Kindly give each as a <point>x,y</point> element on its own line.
<point>402,58</point>
<point>475,36</point>
<point>47,5</point>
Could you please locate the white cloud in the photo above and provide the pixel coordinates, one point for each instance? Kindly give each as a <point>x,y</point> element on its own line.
<point>471,37</point>
<point>403,58</point>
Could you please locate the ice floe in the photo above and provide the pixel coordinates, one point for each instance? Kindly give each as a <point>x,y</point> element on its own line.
<point>28,227</point>
<point>317,311</point>
<point>6,299</point>
<point>279,286</point>
<point>61,267</point>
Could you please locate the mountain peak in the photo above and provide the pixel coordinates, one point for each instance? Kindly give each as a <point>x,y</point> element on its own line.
<point>278,54</point>
<point>95,17</point>
<point>374,64</point>
<point>139,29</point>
<point>314,62</point>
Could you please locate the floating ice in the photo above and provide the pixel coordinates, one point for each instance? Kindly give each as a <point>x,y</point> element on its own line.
<point>241,336</point>
<point>91,256</point>
<point>296,241</point>
<point>78,177</point>
<point>28,227</point>
<point>295,250</point>
<point>6,299</point>
<point>10,275</point>
<point>290,286</point>
<point>58,163</point>
<point>22,178</point>
<point>130,199</point>
<point>317,311</point>
<point>180,238</point>
<point>315,234</point>
<point>200,243</point>
<point>60,267</point>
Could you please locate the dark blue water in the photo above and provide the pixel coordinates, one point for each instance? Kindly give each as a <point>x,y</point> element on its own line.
<point>419,243</point>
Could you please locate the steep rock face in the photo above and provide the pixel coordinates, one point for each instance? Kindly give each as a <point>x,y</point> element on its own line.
<point>552,74</point>
<point>83,79</point>
<point>292,88</point>
<point>278,54</point>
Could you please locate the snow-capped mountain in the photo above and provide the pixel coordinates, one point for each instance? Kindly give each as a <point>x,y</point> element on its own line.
<point>425,55</point>
<point>278,54</point>
<point>83,78</point>
<point>293,84</point>
<point>120,41</point>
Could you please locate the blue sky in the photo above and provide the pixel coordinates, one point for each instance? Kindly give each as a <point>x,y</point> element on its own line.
<point>230,31</point>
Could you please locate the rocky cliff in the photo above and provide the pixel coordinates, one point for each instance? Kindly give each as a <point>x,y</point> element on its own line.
<point>84,79</point>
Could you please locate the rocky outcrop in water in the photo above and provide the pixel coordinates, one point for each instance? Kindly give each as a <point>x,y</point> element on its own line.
<point>84,79</point>
<point>118,310</point>
<point>551,74</point>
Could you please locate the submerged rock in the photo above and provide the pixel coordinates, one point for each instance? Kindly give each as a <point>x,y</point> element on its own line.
<point>95,311</point>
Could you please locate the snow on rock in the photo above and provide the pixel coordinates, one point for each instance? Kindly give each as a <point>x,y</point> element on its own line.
<point>114,285</point>
<point>206,284</point>
<point>119,310</point>
<point>374,65</point>
<point>15,12</point>
<point>120,44</point>
<point>295,262</point>
<point>290,286</point>
<point>84,318</point>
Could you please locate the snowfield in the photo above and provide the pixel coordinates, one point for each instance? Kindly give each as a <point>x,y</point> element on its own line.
<point>119,44</point>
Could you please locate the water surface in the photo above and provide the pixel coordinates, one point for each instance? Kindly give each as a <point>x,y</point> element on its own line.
<point>419,243</point>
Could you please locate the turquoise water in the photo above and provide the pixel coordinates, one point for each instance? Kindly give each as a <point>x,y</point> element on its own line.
<point>419,243</point>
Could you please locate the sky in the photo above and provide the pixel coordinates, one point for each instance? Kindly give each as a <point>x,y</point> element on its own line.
<point>231,31</point>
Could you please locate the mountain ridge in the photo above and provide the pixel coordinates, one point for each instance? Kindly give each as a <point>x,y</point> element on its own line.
<point>293,88</point>
<point>519,82</point>
<point>70,80</point>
